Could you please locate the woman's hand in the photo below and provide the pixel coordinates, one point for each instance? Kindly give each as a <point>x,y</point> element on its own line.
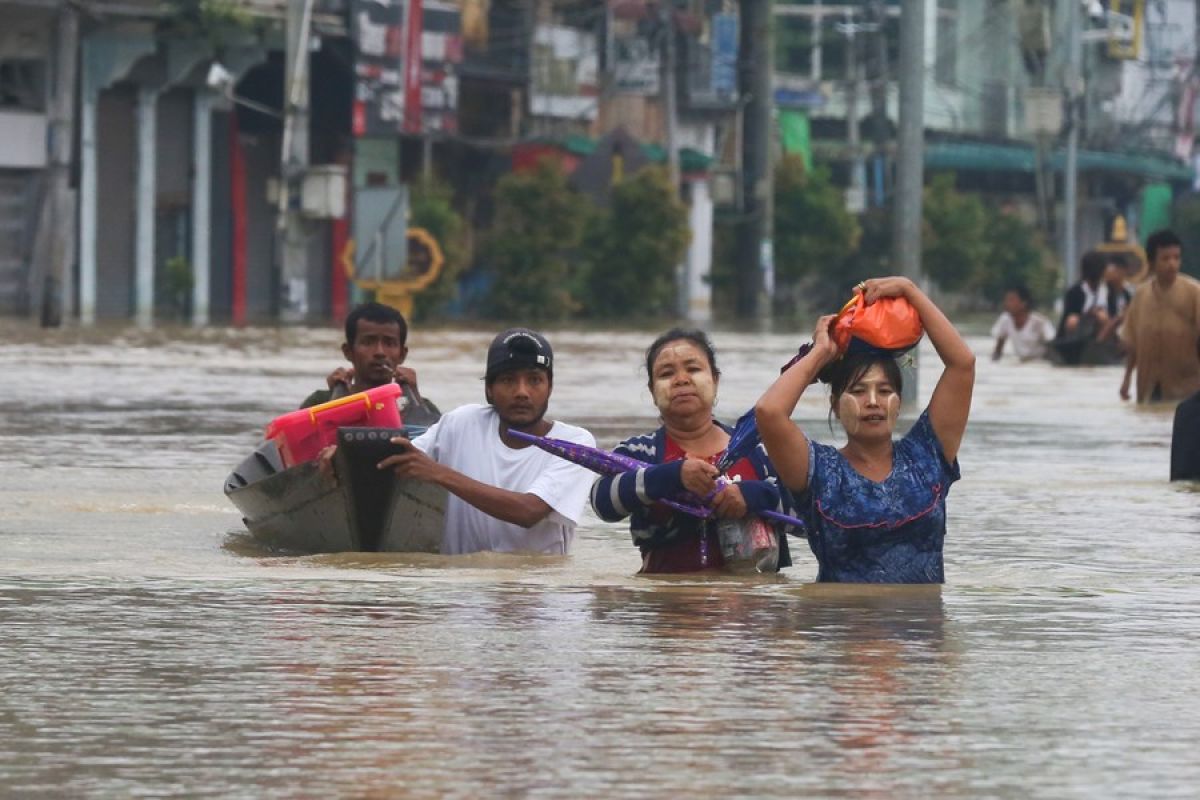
<point>698,476</point>
<point>729,503</point>
<point>877,288</point>
<point>822,340</point>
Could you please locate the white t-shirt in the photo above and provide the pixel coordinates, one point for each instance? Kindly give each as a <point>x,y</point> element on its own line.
<point>468,440</point>
<point>1028,342</point>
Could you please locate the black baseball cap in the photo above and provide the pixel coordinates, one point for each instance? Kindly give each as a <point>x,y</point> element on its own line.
<point>519,348</point>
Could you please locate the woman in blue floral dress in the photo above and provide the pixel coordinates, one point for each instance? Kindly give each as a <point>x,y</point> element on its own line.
<point>876,508</point>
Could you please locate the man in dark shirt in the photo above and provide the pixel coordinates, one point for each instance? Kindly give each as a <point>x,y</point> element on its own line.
<point>1082,314</point>
<point>376,346</point>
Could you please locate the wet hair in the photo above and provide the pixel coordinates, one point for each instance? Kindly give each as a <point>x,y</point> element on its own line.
<point>847,371</point>
<point>1092,265</point>
<point>1160,239</point>
<point>1022,291</point>
<point>378,313</point>
<point>696,337</point>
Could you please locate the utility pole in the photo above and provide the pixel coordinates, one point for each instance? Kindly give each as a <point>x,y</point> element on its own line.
<point>57,229</point>
<point>1073,81</point>
<point>666,11</point>
<point>670,113</point>
<point>910,166</point>
<point>291,233</point>
<point>856,196</point>
<point>756,270</point>
<point>879,97</point>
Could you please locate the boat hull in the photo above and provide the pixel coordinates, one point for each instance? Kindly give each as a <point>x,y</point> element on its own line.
<point>301,510</point>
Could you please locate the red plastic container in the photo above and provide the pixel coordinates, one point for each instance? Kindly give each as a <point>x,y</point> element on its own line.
<point>301,435</point>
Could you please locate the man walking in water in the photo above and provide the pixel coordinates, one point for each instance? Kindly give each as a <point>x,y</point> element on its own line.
<point>1162,327</point>
<point>506,494</point>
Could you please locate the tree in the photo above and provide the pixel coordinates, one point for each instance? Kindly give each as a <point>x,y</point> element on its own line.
<point>538,224</point>
<point>1185,221</point>
<point>814,234</point>
<point>631,249</point>
<point>431,208</point>
<point>1017,254</point>
<point>221,22</point>
<point>954,246</point>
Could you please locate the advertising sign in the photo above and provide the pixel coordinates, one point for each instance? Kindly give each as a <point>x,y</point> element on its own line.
<point>377,27</point>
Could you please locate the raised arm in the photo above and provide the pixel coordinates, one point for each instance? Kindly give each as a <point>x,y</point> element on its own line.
<point>951,401</point>
<point>785,441</point>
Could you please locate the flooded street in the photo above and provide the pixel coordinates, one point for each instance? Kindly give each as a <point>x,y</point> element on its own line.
<point>150,648</point>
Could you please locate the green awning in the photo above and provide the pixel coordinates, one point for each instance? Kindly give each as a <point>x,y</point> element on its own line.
<point>1148,165</point>
<point>981,156</point>
<point>962,156</point>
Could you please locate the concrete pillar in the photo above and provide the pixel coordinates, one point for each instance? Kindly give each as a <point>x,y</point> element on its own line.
<point>201,204</point>
<point>88,200</point>
<point>146,196</point>
<point>699,254</point>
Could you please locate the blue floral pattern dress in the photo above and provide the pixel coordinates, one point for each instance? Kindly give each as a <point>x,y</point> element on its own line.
<point>892,531</point>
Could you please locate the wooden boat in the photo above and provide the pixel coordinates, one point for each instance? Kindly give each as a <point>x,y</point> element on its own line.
<point>1083,352</point>
<point>299,509</point>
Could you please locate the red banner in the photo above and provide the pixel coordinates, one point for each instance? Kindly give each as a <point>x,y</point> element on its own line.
<point>412,68</point>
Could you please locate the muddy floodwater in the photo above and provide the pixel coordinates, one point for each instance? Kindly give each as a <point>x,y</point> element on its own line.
<point>149,648</point>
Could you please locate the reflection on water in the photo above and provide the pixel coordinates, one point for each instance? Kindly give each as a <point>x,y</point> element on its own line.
<point>152,648</point>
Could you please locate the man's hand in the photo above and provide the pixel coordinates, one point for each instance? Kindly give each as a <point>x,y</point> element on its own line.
<point>412,463</point>
<point>343,375</point>
<point>698,476</point>
<point>729,503</point>
<point>406,375</point>
<point>325,463</point>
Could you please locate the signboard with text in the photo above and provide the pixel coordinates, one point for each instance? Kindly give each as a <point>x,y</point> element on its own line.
<point>377,27</point>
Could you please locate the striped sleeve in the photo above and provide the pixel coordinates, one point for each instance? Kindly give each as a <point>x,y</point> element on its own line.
<point>615,497</point>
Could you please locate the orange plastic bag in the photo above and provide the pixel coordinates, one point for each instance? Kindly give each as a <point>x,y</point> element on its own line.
<point>889,325</point>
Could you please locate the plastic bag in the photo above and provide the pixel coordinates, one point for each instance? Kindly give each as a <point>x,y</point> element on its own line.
<point>748,544</point>
<point>890,325</point>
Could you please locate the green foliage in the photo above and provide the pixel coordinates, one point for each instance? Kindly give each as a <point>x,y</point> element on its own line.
<point>1017,254</point>
<point>630,252</point>
<point>954,243</point>
<point>431,207</point>
<point>1185,221</point>
<point>177,284</point>
<point>723,274</point>
<point>814,233</point>
<point>538,225</point>
<point>873,259</point>
<point>218,21</point>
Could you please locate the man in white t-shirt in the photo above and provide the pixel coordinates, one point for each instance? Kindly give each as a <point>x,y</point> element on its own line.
<point>505,495</point>
<point>1028,330</point>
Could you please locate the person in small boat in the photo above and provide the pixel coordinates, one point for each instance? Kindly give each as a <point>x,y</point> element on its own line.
<point>876,508</point>
<point>1082,313</point>
<point>506,495</point>
<point>683,378</point>
<point>1162,327</point>
<point>1028,330</point>
<point>376,346</point>
<point>1115,296</point>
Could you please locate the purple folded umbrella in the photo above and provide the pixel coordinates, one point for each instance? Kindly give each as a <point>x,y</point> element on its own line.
<point>606,463</point>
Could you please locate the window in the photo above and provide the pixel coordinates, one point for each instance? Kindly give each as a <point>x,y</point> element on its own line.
<point>22,84</point>
<point>946,68</point>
